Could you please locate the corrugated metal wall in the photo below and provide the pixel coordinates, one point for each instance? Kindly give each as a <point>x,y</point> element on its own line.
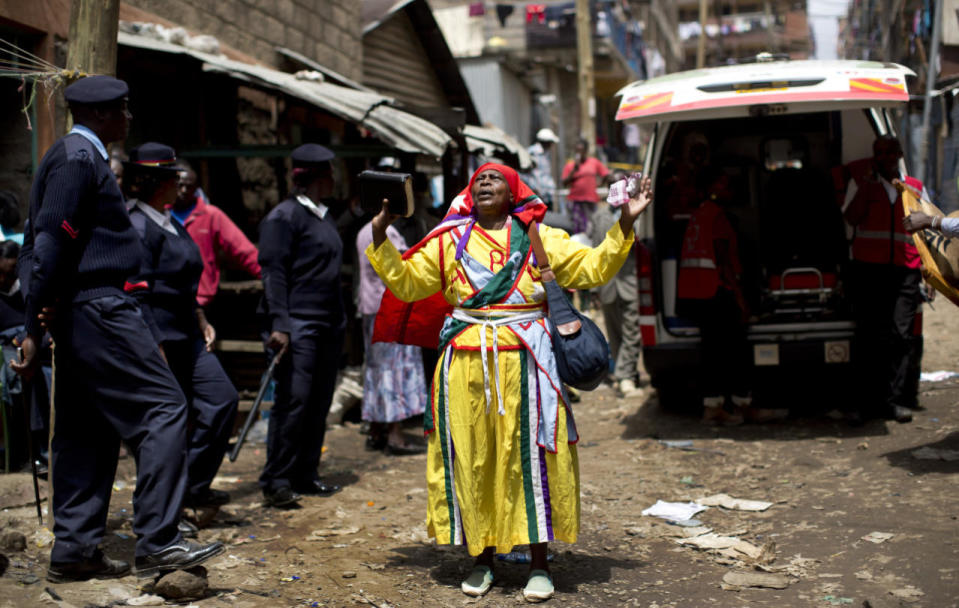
<point>500,97</point>
<point>395,64</point>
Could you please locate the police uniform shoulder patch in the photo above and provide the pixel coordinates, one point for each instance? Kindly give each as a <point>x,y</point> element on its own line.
<point>79,148</point>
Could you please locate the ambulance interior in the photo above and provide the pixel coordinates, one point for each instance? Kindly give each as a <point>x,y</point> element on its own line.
<point>785,210</point>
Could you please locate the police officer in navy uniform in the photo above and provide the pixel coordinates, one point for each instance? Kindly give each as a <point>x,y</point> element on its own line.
<point>301,254</point>
<point>111,382</point>
<point>166,287</point>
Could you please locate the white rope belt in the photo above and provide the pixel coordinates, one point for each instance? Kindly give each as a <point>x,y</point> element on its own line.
<point>493,320</point>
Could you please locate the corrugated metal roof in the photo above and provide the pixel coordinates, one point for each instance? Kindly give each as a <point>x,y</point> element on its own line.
<point>376,12</point>
<point>396,128</point>
<point>489,140</point>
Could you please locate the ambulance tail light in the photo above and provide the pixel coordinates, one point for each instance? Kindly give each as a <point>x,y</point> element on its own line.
<point>647,303</point>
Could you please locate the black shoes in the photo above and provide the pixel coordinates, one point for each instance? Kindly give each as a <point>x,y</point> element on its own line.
<point>289,496</point>
<point>900,414</point>
<point>210,498</point>
<point>98,566</point>
<point>187,529</point>
<point>282,497</point>
<point>318,488</point>
<point>854,419</point>
<point>179,556</point>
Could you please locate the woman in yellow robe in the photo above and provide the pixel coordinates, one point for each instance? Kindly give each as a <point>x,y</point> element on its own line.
<point>502,466</point>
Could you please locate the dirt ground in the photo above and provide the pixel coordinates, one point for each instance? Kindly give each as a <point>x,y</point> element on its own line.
<point>831,485</point>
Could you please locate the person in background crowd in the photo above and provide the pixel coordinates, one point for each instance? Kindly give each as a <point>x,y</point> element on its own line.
<point>620,305</point>
<point>10,217</point>
<point>214,233</point>
<point>917,220</point>
<point>884,283</point>
<point>710,293</point>
<point>540,178</point>
<point>495,432</point>
<point>35,395</point>
<point>301,254</point>
<point>687,187</point>
<point>166,287</point>
<point>112,382</point>
<point>116,165</point>
<point>388,164</point>
<point>582,176</point>
<point>394,383</point>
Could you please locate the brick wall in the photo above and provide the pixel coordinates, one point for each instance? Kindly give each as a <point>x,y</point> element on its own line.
<point>328,31</point>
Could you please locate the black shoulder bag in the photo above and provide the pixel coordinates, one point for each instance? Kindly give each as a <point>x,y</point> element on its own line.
<point>580,348</point>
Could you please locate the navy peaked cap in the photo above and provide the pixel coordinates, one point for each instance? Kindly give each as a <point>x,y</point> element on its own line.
<point>153,155</point>
<point>311,154</point>
<point>94,90</point>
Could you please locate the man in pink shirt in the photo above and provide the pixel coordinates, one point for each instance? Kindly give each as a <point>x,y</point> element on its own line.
<point>582,175</point>
<point>214,233</point>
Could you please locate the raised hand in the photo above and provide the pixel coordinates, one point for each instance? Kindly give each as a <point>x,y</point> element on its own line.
<point>636,205</point>
<point>381,222</point>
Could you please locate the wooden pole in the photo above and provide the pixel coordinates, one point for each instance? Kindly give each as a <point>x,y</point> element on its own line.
<point>587,95</point>
<point>930,88</point>
<point>92,47</point>
<point>701,45</point>
<point>770,29</point>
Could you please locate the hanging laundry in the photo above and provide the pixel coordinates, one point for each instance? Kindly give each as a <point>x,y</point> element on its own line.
<point>535,13</point>
<point>560,15</point>
<point>477,9</point>
<point>503,11</point>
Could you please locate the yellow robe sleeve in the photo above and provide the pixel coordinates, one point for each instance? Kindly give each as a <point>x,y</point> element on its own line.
<point>580,267</point>
<point>412,279</point>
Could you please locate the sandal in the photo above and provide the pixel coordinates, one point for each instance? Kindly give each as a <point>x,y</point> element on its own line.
<point>478,582</point>
<point>539,587</point>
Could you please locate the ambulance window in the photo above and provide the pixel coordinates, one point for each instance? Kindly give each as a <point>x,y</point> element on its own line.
<point>858,133</point>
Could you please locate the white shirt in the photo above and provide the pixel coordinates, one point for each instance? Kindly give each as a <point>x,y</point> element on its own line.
<point>13,288</point>
<point>163,220</point>
<point>950,226</point>
<point>92,138</point>
<point>891,191</point>
<point>317,209</point>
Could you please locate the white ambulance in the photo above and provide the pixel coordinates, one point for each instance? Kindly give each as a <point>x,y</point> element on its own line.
<point>779,129</point>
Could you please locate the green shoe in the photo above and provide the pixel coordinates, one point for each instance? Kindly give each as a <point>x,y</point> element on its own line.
<point>478,582</point>
<point>539,587</point>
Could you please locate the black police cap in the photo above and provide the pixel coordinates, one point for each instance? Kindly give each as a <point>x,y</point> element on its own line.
<point>94,90</point>
<point>310,155</point>
<point>152,156</point>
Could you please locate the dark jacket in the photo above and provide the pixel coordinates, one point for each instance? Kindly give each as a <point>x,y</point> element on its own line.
<point>79,244</point>
<point>301,256</point>
<point>11,310</point>
<point>169,277</point>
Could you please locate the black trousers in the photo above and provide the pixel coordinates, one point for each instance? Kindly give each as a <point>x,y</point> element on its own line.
<point>724,361</point>
<point>305,379</point>
<point>211,410</point>
<point>885,300</point>
<point>110,384</point>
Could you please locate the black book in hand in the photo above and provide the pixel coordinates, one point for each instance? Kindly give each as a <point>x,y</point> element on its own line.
<point>397,188</point>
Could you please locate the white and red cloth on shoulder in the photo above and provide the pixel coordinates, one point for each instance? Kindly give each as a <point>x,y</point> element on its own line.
<point>419,322</point>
